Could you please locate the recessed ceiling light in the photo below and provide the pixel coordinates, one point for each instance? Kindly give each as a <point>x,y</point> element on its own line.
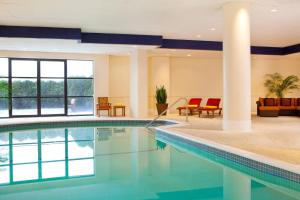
<point>134,46</point>
<point>274,10</point>
<point>198,36</point>
<point>212,29</point>
<point>189,55</point>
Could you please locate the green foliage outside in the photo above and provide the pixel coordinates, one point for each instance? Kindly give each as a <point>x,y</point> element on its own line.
<point>279,86</point>
<point>161,95</point>
<point>76,87</point>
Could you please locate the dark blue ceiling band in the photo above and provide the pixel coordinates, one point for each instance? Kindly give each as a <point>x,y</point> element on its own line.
<point>131,39</point>
<point>267,50</point>
<point>40,32</point>
<point>107,38</point>
<point>292,49</point>
<point>191,44</point>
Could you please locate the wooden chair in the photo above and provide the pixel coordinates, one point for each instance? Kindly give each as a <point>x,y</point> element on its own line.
<point>103,104</point>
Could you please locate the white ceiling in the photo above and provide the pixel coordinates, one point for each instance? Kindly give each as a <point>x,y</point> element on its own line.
<point>66,46</point>
<point>170,18</point>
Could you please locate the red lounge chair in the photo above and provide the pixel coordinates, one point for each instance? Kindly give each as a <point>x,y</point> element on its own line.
<point>212,105</point>
<point>194,104</point>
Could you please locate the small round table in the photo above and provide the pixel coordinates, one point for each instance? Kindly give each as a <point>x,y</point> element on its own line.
<point>121,107</point>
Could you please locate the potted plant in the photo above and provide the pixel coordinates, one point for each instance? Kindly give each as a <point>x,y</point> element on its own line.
<point>161,99</point>
<point>279,86</point>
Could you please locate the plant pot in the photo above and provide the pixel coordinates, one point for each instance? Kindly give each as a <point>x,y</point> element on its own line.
<point>161,107</point>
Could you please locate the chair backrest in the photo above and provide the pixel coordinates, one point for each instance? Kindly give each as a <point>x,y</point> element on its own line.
<point>195,101</point>
<point>213,102</point>
<point>103,101</point>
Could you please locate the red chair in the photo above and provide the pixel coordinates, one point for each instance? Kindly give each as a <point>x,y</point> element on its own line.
<point>194,104</point>
<point>212,105</point>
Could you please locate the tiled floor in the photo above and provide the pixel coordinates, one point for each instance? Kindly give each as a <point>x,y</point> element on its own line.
<point>274,138</point>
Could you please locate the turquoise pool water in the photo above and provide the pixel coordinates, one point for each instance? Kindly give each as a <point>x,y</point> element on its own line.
<point>90,163</point>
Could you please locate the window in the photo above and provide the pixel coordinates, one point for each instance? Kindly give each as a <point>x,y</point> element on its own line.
<point>80,87</point>
<point>24,87</point>
<point>40,87</point>
<point>52,87</point>
<point>4,87</point>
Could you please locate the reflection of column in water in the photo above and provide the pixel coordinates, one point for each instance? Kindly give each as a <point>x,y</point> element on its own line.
<point>236,186</point>
<point>134,147</point>
<point>102,147</point>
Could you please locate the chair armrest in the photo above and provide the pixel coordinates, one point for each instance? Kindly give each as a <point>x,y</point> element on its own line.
<point>258,103</point>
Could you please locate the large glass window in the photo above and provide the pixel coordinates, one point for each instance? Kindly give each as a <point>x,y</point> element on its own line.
<point>80,87</point>
<point>4,87</point>
<point>52,87</point>
<point>37,87</point>
<point>24,87</point>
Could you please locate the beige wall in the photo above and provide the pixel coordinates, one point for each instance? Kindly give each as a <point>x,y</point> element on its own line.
<point>119,80</point>
<point>159,74</point>
<point>202,77</point>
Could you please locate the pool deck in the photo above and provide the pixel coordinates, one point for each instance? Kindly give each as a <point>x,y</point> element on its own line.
<point>272,140</point>
<point>276,140</point>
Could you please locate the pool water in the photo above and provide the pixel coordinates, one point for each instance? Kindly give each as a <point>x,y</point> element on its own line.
<point>125,163</point>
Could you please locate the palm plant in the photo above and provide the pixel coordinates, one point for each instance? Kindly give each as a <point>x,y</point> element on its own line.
<point>279,86</point>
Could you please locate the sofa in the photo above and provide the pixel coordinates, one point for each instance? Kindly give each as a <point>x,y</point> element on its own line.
<point>274,107</point>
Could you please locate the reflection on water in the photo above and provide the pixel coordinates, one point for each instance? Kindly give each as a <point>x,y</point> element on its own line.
<point>118,163</point>
<point>38,155</point>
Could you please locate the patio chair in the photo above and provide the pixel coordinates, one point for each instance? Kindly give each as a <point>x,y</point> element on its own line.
<point>103,104</point>
<point>193,105</point>
<point>212,105</point>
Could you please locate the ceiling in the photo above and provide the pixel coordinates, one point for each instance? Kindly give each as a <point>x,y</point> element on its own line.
<point>191,19</point>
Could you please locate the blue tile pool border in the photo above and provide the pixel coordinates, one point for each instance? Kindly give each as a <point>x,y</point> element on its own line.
<point>84,123</point>
<point>249,166</point>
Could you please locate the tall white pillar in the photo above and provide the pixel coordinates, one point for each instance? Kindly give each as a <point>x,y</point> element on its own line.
<point>139,84</point>
<point>236,67</point>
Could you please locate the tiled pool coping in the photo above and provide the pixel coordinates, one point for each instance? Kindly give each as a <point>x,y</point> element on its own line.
<point>80,123</point>
<point>286,177</point>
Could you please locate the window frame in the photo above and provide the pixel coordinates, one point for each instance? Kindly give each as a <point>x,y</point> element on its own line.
<point>39,96</point>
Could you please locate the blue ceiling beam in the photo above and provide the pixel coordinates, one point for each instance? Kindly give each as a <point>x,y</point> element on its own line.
<point>292,49</point>
<point>40,32</point>
<point>131,39</point>
<point>191,44</point>
<point>267,50</point>
<point>109,38</point>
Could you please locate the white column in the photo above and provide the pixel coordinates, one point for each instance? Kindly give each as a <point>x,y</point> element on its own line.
<point>236,67</point>
<point>236,186</point>
<point>101,77</point>
<point>139,84</point>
